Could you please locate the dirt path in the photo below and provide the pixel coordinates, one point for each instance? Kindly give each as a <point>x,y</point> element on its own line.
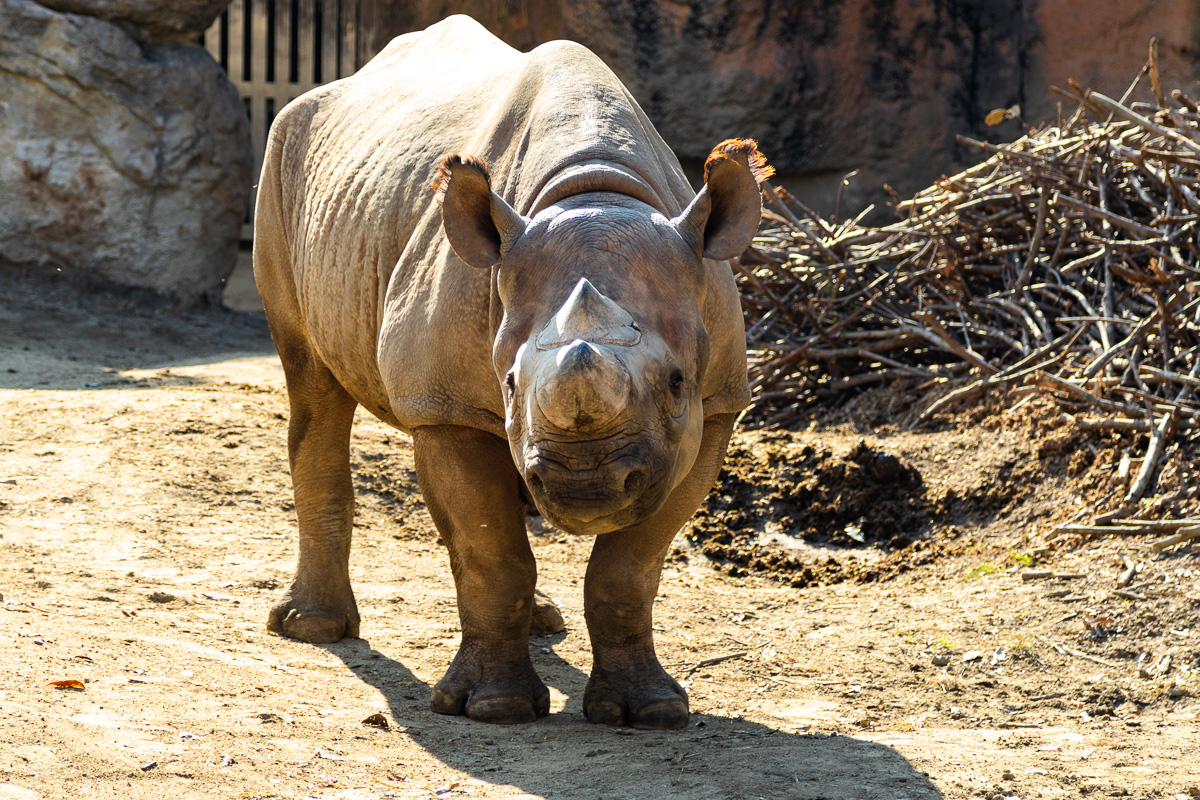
<point>146,526</point>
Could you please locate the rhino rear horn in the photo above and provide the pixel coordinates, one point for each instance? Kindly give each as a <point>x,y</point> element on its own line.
<point>724,216</point>
<point>481,227</point>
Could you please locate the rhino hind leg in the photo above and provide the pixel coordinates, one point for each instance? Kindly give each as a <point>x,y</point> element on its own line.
<point>319,606</point>
<point>628,686</point>
<point>472,491</point>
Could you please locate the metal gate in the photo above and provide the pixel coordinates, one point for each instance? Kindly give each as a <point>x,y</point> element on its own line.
<point>276,50</point>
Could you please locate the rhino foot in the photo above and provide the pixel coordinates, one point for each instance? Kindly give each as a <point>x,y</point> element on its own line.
<point>547,619</point>
<point>318,623</point>
<point>652,702</point>
<point>490,691</point>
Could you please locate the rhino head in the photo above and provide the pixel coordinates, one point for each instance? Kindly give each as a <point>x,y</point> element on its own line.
<point>601,348</point>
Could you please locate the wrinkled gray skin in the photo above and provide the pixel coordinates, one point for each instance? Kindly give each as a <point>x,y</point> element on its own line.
<point>570,339</point>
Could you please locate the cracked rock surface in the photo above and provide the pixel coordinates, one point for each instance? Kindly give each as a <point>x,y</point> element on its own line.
<point>123,159</point>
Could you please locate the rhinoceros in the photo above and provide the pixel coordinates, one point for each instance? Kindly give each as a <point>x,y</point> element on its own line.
<point>496,253</point>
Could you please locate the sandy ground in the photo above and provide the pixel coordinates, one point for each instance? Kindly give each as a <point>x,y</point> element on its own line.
<point>146,526</point>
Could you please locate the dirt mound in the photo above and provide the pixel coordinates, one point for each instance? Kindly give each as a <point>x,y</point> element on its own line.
<point>839,503</point>
<point>779,493</point>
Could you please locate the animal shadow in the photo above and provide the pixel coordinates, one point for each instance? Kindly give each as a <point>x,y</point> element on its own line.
<point>565,756</point>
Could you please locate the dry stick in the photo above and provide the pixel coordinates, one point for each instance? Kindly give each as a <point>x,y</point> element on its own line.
<point>1183,100</point>
<point>1155,525</point>
<point>750,276</point>
<point>1116,108</point>
<point>773,195</point>
<point>1070,651</point>
<point>1055,382</point>
<point>1154,84</point>
<point>1036,242</point>
<point>1182,125</point>
<point>1123,424</point>
<point>1134,336</point>
<point>1184,535</point>
<point>1158,438</point>
<point>940,335</point>
<point>1116,219</point>
<point>1017,370</point>
<point>1089,530</point>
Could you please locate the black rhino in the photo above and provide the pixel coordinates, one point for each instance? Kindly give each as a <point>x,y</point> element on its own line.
<point>561,327</point>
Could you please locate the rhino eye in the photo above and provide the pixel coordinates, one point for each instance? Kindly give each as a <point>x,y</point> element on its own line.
<point>510,381</point>
<point>676,381</point>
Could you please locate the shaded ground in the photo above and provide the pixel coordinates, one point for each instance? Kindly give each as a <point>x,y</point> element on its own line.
<point>146,526</point>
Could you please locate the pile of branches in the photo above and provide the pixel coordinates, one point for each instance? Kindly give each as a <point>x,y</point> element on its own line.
<point>1065,264</point>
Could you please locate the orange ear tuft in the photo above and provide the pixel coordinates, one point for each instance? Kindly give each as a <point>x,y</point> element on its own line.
<point>744,150</point>
<point>446,167</point>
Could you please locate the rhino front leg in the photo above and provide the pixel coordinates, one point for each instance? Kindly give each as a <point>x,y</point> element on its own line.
<point>319,606</point>
<point>473,493</point>
<point>628,685</point>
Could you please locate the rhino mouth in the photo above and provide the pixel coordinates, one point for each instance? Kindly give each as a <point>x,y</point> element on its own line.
<point>617,495</point>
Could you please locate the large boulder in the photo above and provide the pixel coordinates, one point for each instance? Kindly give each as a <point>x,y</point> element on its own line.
<point>154,19</point>
<point>125,160</point>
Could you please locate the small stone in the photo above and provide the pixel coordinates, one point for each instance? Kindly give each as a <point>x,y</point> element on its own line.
<point>1008,775</point>
<point>941,661</point>
<point>972,655</point>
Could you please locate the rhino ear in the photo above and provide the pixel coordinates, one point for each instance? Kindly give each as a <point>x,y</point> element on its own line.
<point>481,227</point>
<point>724,216</point>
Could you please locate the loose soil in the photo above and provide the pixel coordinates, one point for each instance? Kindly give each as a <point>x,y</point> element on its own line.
<point>847,610</point>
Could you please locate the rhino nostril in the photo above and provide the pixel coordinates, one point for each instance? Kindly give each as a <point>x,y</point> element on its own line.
<point>635,481</point>
<point>535,483</point>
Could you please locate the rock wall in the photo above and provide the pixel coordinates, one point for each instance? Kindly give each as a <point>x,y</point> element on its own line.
<point>831,86</point>
<point>121,155</point>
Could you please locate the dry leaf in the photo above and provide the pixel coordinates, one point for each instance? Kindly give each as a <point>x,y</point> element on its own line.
<point>71,684</point>
<point>996,116</point>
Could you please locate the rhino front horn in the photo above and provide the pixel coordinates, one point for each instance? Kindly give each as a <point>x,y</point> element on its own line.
<point>584,388</point>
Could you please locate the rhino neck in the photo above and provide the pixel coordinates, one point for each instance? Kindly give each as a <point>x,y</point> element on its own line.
<point>596,175</point>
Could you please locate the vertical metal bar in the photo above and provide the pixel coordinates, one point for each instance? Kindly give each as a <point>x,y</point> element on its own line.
<point>237,26</point>
<point>259,51</point>
<point>283,46</point>
<point>346,34</point>
<point>304,25</point>
<point>329,40</point>
<point>368,46</point>
<point>249,102</point>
